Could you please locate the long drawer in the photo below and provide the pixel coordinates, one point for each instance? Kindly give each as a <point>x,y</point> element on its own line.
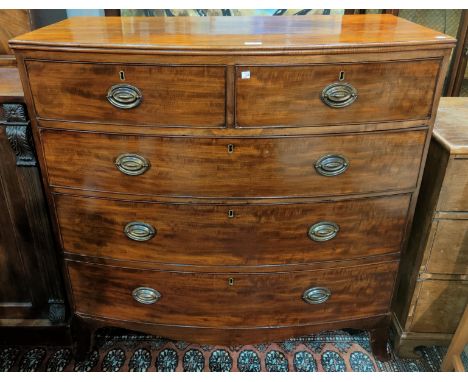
<point>157,95</point>
<point>305,95</point>
<point>232,234</point>
<point>242,167</point>
<point>232,300</point>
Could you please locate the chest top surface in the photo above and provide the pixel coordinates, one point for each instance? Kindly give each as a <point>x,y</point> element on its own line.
<point>250,33</point>
<point>451,125</point>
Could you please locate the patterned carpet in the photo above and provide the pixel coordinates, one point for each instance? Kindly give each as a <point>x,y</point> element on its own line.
<point>327,351</point>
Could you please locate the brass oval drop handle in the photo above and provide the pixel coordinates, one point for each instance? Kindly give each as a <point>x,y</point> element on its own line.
<point>339,94</point>
<point>124,96</point>
<point>316,295</point>
<point>146,295</point>
<point>132,164</point>
<point>331,165</point>
<point>323,231</point>
<point>139,231</point>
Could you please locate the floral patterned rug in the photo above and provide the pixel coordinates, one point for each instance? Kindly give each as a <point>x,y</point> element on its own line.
<point>327,351</point>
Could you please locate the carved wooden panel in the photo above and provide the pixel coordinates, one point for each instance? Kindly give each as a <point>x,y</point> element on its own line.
<point>31,283</point>
<point>18,132</point>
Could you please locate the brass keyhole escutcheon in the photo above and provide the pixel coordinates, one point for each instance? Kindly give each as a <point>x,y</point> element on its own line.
<point>230,281</point>
<point>122,75</point>
<point>341,76</point>
<point>230,148</point>
<point>230,214</point>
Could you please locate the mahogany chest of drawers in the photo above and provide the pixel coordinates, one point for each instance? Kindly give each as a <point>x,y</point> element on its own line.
<point>433,293</point>
<point>232,180</point>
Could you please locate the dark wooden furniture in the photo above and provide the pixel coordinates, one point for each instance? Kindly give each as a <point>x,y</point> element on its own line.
<point>221,185</point>
<point>32,301</point>
<point>31,293</point>
<point>433,290</point>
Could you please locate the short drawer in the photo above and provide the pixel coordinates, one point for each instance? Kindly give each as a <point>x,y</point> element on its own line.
<point>159,95</point>
<point>242,167</point>
<point>310,95</point>
<point>453,195</point>
<point>232,300</point>
<point>232,234</point>
<point>447,249</point>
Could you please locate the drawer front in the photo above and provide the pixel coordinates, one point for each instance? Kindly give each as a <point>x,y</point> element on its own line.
<point>369,92</point>
<point>232,300</point>
<point>449,248</point>
<point>453,195</point>
<point>242,167</point>
<point>158,95</point>
<point>232,235</point>
<point>440,306</point>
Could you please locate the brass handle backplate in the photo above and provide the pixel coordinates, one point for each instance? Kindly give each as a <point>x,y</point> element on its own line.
<point>139,231</point>
<point>339,94</point>
<point>323,231</point>
<point>132,164</point>
<point>145,295</point>
<point>331,165</point>
<point>316,295</point>
<point>124,96</point>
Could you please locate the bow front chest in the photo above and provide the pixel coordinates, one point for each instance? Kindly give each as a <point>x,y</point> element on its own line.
<point>232,180</point>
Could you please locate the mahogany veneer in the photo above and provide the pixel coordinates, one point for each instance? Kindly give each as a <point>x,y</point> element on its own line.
<point>231,180</point>
<point>204,234</point>
<point>253,299</point>
<point>256,167</point>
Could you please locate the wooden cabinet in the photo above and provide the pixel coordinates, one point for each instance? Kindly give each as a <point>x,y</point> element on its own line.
<point>31,292</point>
<point>433,292</point>
<point>227,180</point>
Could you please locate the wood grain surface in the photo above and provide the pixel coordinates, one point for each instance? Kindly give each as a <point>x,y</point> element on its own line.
<point>255,235</point>
<point>451,125</point>
<point>199,170</point>
<point>254,300</point>
<point>433,288</point>
<point>453,194</point>
<point>256,168</point>
<point>10,86</point>
<point>233,33</point>
<point>290,95</point>
<point>29,273</point>
<point>448,248</point>
<point>439,306</point>
<point>13,22</point>
<point>171,95</point>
